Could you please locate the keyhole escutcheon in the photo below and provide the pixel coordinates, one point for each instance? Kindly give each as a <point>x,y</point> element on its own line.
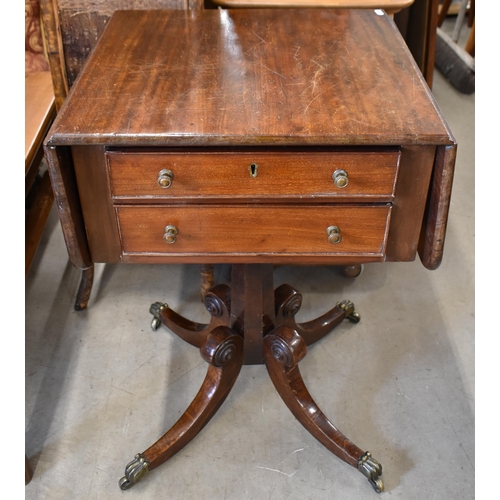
<point>253,170</point>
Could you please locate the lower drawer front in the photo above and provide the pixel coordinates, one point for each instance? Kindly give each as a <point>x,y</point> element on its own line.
<point>254,230</point>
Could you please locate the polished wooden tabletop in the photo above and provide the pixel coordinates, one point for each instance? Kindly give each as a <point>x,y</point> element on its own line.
<point>251,77</point>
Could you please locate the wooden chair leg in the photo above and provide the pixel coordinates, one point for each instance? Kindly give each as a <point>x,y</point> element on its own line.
<point>28,471</point>
<point>443,12</point>
<point>83,294</point>
<point>471,15</point>
<point>470,46</point>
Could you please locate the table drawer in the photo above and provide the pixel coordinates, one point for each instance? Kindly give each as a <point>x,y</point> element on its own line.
<point>254,230</point>
<point>369,176</point>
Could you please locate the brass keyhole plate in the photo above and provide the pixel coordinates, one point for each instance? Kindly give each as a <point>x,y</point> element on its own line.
<point>253,169</point>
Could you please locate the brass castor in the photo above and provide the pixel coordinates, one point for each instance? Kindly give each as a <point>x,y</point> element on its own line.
<point>155,310</point>
<point>350,314</point>
<point>372,470</point>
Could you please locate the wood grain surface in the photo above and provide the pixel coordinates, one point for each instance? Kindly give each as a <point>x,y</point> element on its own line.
<point>250,77</point>
<point>431,245</point>
<point>277,175</point>
<point>254,229</point>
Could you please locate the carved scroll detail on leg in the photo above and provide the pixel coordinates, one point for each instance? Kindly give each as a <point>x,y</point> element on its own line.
<point>283,350</point>
<point>217,302</point>
<point>223,350</point>
<point>288,302</point>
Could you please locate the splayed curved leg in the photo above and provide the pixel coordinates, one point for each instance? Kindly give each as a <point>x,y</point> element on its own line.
<point>288,302</point>
<point>283,350</point>
<point>223,350</point>
<point>217,302</point>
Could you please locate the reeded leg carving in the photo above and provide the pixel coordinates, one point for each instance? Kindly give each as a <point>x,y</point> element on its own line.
<point>207,279</point>
<point>288,302</point>
<point>84,289</point>
<point>217,302</point>
<point>223,350</point>
<point>283,350</point>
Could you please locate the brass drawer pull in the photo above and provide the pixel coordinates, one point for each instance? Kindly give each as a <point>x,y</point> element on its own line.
<point>334,235</point>
<point>165,178</point>
<point>340,178</point>
<point>170,235</point>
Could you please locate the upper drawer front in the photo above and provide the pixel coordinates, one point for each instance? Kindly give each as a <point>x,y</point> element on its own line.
<point>366,176</point>
<point>254,230</point>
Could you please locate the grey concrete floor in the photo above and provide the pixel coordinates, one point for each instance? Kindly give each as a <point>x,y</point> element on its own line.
<point>102,386</point>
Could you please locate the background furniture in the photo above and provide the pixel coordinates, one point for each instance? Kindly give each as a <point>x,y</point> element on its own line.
<point>39,108</point>
<point>465,8</point>
<point>418,24</point>
<point>455,54</point>
<point>390,6</point>
<point>39,114</point>
<point>362,173</point>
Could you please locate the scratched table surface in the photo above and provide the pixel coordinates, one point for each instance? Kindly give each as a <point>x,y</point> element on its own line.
<point>250,80</point>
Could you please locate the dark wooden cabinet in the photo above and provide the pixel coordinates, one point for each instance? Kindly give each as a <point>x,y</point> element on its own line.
<point>418,26</point>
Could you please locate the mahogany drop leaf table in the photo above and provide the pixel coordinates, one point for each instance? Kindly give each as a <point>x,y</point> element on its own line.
<point>252,138</point>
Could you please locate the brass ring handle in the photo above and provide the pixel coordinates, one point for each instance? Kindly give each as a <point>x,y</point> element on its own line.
<point>334,235</point>
<point>165,178</point>
<point>170,235</point>
<point>340,178</point>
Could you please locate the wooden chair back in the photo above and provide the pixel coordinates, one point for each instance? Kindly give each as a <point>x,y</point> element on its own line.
<point>73,27</point>
<point>390,6</point>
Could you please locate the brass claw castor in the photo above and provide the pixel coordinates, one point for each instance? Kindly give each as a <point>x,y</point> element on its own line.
<point>134,472</point>
<point>372,469</point>
<point>155,310</point>
<point>348,307</point>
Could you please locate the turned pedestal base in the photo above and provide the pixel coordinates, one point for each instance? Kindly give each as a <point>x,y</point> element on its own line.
<point>251,323</point>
